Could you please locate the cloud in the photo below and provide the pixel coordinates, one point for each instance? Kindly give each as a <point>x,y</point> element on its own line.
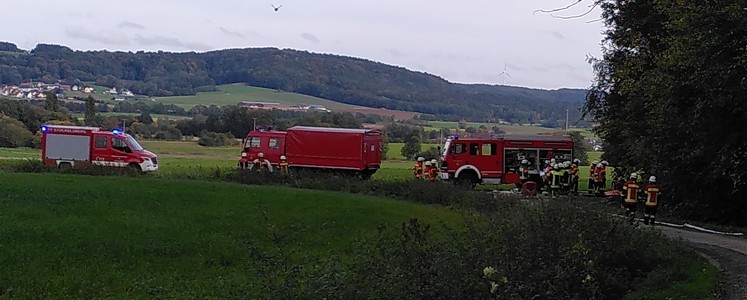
<point>231,33</point>
<point>310,37</point>
<point>170,41</point>
<point>396,53</point>
<point>108,38</point>
<point>128,24</point>
<point>554,34</point>
<point>515,67</point>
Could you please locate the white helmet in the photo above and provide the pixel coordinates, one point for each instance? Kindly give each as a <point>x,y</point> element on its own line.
<point>555,166</point>
<point>652,179</point>
<point>552,161</point>
<point>428,163</point>
<point>599,165</point>
<point>421,158</point>
<point>282,157</point>
<point>525,162</point>
<point>434,161</point>
<point>633,175</point>
<point>261,155</point>
<point>577,161</point>
<point>595,162</point>
<point>604,162</point>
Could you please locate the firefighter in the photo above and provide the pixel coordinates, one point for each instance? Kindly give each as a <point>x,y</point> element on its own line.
<point>600,178</point>
<point>592,172</point>
<point>524,171</point>
<point>565,178</point>
<point>283,165</point>
<point>417,170</point>
<point>574,175</point>
<point>433,173</point>
<point>427,169</point>
<point>652,199</point>
<point>630,202</point>
<point>555,176</point>
<point>261,163</point>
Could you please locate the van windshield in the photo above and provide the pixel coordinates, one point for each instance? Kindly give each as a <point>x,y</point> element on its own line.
<point>134,144</point>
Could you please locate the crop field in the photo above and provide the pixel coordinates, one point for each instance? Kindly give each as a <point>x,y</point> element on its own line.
<point>155,117</point>
<point>73,237</point>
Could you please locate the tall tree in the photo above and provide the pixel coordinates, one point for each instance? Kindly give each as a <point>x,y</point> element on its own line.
<point>53,103</point>
<point>669,92</point>
<point>412,145</point>
<point>90,113</point>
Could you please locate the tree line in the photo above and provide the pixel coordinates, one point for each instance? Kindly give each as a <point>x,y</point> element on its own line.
<point>670,100</point>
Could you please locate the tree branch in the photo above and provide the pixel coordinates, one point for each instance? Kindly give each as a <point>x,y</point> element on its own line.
<point>558,9</point>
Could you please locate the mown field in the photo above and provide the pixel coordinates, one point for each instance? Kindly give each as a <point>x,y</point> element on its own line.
<point>66,236</point>
<point>232,94</point>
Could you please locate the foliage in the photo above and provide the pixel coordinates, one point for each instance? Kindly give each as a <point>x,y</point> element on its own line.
<point>669,91</point>
<point>13,134</point>
<point>53,104</point>
<point>213,139</point>
<point>579,147</point>
<point>412,145</point>
<point>90,116</point>
<point>342,79</point>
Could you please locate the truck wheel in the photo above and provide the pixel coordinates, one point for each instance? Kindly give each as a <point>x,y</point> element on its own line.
<point>66,166</point>
<point>467,180</point>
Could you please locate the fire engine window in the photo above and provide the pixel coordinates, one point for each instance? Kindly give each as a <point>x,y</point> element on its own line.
<point>274,143</point>
<point>253,142</point>
<point>489,149</point>
<point>473,148</point>
<point>458,148</point>
<point>100,142</point>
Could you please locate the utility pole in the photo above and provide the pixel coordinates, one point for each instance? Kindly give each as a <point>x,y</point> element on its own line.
<point>566,120</point>
<point>124,125</point>
<point>255,124</point>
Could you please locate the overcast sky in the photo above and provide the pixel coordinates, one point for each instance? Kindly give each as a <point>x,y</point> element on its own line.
<point>467,41</point>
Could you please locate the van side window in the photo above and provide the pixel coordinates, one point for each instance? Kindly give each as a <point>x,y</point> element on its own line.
<point>458,148</point>
<point>100,142</point>
<point>274,143</point>
<point>474,148</point>
<point>120,145</point>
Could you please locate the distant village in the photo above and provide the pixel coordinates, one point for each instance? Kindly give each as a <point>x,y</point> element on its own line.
<point>38,90</point>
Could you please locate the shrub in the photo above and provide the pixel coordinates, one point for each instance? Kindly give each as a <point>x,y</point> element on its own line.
<point>214,139</point>
<point>13,134</point>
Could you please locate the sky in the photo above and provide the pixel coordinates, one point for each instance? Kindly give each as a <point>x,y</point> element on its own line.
<point>464,41</point>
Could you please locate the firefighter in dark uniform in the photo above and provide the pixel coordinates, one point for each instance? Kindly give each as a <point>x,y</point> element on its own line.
<point>261,163</point>
<point>630,202</point>
<point>283,165</point>
<point>652,199</point>
<point>555,176</point>
<point>524,171</point>
<point>574,175</point>
<point>565,179</point>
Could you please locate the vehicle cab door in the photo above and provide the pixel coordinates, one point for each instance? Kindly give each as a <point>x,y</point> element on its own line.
<point>101,151</point>
<point>485,156</point>
<point>120,151</point>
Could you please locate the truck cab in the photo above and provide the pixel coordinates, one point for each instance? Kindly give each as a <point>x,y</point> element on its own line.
<point>270,143</point>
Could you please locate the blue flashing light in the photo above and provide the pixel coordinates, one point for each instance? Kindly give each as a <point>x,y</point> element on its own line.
<point>116,131</point>
<point>44,129</point>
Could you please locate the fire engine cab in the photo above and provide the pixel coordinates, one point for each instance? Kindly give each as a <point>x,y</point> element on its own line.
<point>72,146</point>
<point>496,160</point>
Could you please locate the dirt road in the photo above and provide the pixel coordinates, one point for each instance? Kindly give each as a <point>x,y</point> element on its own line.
<point>729,253</point>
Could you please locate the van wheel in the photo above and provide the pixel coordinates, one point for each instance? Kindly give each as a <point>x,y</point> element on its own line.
<point>66,166</point>
<point>134,168</point>
<point>467,180</point>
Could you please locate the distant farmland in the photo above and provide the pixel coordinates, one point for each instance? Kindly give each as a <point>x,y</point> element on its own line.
<point>232,94</point>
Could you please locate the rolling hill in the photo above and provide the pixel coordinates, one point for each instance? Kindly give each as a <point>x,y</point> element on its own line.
<point>341,79</point>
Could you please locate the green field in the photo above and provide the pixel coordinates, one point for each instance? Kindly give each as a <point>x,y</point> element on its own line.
<point>232,94</point>
<point>67,236</point>
<point>81,117</point>
<point>509,129</point>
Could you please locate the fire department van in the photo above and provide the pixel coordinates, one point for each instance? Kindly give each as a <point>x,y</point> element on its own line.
<point>73,146</point>
<point>496,160</point>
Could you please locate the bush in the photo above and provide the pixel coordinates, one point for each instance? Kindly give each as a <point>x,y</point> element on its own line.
<point>213,139</point>
<point>13,133</point>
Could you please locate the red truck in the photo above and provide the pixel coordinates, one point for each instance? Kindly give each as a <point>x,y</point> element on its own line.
<point>72,146</point>
<point>353,151</point>
<point>496,160</point>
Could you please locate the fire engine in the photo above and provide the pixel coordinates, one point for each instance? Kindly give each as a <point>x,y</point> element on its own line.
<point>73,146</point>
<point>496,160</point>
<point>351,151</point>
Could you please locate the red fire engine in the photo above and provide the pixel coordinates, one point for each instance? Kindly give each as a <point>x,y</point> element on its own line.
<point>72,146</point>
<point>353,151</point>
<point>496,160</point>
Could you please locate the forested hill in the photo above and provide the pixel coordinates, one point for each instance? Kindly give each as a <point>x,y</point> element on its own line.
<point>343,79</point>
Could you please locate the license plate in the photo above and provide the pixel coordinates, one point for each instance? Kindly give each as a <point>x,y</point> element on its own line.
<point>444,176</point>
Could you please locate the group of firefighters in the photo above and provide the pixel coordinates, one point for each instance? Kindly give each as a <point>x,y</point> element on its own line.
<point>425,169</point>
<point>263,165</point>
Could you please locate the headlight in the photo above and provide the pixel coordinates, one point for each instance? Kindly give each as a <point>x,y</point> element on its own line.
<point>146,158</point>
<point>243,154</point>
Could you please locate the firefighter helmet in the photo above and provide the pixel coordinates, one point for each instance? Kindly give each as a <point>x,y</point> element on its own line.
<point>421,158</point>
<point>261,155</point>
<point>577,161</point>
<point>595,162</point>
<point>633,176</point>
<point>282,157</point>
<point>599,165</point>
<point>525,162</point>
<point>427,162</point>
<point>604,162</point>
<point>552,161</point>
<point>434,162</point>
<point>652,179</point>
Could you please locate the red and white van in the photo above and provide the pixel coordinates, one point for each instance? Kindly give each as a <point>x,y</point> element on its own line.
<point>73,146</point>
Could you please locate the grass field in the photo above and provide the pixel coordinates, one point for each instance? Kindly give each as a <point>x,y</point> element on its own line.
<point>155,117</point>
<point>232,94</point>
<point>509,129</point>
<point>68,236</point>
